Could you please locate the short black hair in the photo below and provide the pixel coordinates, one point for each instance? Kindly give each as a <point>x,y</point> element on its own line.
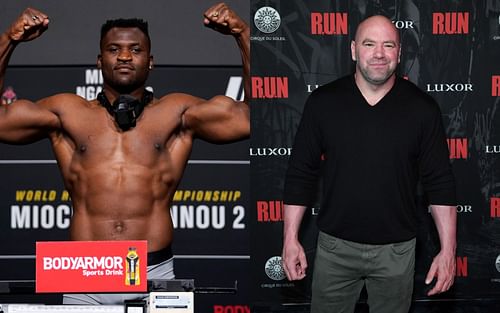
<point>141,24</point>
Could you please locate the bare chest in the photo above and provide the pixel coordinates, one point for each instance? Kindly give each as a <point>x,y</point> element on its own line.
<point>92,135</point>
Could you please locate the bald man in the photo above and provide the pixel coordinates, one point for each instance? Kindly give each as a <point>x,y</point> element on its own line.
<point>378,135</point>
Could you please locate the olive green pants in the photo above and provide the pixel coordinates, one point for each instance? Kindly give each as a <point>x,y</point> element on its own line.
<point>342,267</point>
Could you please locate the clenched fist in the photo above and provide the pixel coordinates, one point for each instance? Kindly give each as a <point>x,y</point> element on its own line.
<point>28,26</point>
<point>224,20</point>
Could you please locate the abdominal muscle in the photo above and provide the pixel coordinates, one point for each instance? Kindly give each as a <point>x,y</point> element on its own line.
<point>122,202</point>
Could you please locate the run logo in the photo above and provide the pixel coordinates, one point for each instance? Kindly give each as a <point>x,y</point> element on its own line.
<point>450,23</point>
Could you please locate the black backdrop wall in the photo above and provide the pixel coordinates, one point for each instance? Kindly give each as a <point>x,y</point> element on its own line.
<point>450,50</point>
<point>211,237</point>
<point>176,29</point>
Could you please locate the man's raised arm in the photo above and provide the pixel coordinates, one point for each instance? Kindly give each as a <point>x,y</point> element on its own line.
<point>23,121</point>
<point>28,26</point>
<point>221,119</point>
<point>224,20</point>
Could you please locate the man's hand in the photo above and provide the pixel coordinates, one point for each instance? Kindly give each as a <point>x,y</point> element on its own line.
<point>28,26</point>
<point>224,20</point>
<point>294,260</point>
<point>444,264</point>
<point>443,267</point>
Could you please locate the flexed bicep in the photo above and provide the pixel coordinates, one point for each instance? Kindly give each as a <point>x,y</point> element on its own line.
<point>24,121</point>
<point>219,120</point>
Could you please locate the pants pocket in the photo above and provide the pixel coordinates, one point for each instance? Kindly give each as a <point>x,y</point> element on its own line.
<point>327,242</point>
<point>404,247</point>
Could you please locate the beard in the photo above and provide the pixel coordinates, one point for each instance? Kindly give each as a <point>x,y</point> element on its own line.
<point>376,77</point>
<point>125,84</point>
<point>125,88</point>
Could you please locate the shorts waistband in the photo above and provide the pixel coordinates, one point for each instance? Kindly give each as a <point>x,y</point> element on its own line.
<point>159,256</point>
